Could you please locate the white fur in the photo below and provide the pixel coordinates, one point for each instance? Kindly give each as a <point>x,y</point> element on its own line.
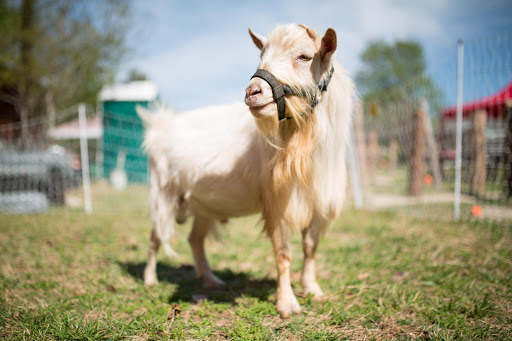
<point>213,164</point>
<point>210,155</point>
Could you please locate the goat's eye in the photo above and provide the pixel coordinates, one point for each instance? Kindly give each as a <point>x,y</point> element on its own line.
<point>305,58</point>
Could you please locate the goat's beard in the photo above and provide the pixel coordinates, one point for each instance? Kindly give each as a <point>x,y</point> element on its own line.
<point>298,110</point>
<point>293,141</point>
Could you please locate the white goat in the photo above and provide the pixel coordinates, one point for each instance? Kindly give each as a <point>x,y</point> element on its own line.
<point>221,162</point>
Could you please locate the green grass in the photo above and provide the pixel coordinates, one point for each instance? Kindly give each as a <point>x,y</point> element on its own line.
<point>386,275</point>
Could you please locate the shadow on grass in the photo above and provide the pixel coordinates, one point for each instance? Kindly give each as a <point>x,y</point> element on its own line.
<point>189,287</point>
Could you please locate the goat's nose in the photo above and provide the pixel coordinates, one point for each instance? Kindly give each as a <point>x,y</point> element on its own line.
<point>252,90</point>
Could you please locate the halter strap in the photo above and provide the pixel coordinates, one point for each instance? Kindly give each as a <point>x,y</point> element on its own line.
<point>280,90</point>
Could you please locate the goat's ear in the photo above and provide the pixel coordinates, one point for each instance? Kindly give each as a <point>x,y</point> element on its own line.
<point>329,44</point>
<point>258,40</point>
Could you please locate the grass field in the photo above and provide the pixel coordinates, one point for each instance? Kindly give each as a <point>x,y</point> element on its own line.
<point>386,275</point>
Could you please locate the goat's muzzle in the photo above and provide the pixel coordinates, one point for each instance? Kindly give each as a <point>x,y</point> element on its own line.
<point>252,92</point>
<point>258,94</point>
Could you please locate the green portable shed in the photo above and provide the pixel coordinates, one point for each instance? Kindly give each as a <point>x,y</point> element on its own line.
<point>123,131</point>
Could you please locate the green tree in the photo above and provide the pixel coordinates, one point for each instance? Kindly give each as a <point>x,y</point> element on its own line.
<point>392,79</point>
<point>136,75</point>
<point>394,72</point>
<point>56,53</point>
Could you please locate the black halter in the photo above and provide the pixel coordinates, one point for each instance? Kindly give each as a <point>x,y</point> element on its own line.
<point>280,90</point>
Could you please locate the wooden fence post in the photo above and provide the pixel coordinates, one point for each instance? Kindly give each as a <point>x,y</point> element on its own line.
<point>373,152</point>
<point>417,168</point>
<point>432,146</point>
<point>507,152</point>
<point>479,152</point>
<point>360,142</point>
<point>393,154</point>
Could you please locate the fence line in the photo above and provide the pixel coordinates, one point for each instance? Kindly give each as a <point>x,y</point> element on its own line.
<point>465,161</point>
<point>474,154</point>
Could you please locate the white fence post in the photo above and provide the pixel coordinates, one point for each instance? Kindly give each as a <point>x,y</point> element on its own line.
<point>458,136</point>
<point>84,154</point>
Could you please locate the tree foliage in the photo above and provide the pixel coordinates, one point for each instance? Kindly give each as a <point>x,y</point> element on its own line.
<point>136,75</point>
<point>56,53</point>
<point>394,73</point>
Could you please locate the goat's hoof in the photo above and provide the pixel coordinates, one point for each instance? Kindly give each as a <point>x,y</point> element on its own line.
<point>288,307</point>
<point>212,282</point>
<point>150,279</point>
<point>314,289</point>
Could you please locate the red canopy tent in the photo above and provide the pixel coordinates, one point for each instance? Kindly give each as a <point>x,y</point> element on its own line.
<point>495,105</point>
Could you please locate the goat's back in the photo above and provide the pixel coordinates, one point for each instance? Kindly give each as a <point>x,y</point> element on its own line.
<point>212,155</point>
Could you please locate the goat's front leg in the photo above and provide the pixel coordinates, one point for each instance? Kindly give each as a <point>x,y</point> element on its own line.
<point>287,303</point>
<point>196,239</point>
<point>310,238</point>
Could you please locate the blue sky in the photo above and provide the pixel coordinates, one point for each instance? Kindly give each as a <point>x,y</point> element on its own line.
<point>199,52</point>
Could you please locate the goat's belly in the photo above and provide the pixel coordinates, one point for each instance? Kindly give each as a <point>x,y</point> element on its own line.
<point>226,203</point>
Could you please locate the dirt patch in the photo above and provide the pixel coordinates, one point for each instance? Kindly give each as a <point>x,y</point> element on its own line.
<point>379,201</point>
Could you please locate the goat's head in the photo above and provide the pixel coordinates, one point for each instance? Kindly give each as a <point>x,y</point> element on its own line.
<point>296,57</point>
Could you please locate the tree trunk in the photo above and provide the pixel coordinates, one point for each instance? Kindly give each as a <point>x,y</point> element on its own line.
<point>24,111</point>
<point>25,101</point>
<point>50,109</point>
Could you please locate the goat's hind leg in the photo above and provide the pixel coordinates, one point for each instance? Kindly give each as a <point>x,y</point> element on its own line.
<point>150,277</point>
<point>196,239</point>
<point>162,208</point>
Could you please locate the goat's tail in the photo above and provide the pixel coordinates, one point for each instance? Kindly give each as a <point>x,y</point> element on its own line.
<point>150,115</point>
<point>144,114</point>
<point>155,119</point>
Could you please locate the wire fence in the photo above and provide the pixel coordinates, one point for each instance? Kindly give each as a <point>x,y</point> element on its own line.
<point>407,147</point>
<point>405,152</point>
